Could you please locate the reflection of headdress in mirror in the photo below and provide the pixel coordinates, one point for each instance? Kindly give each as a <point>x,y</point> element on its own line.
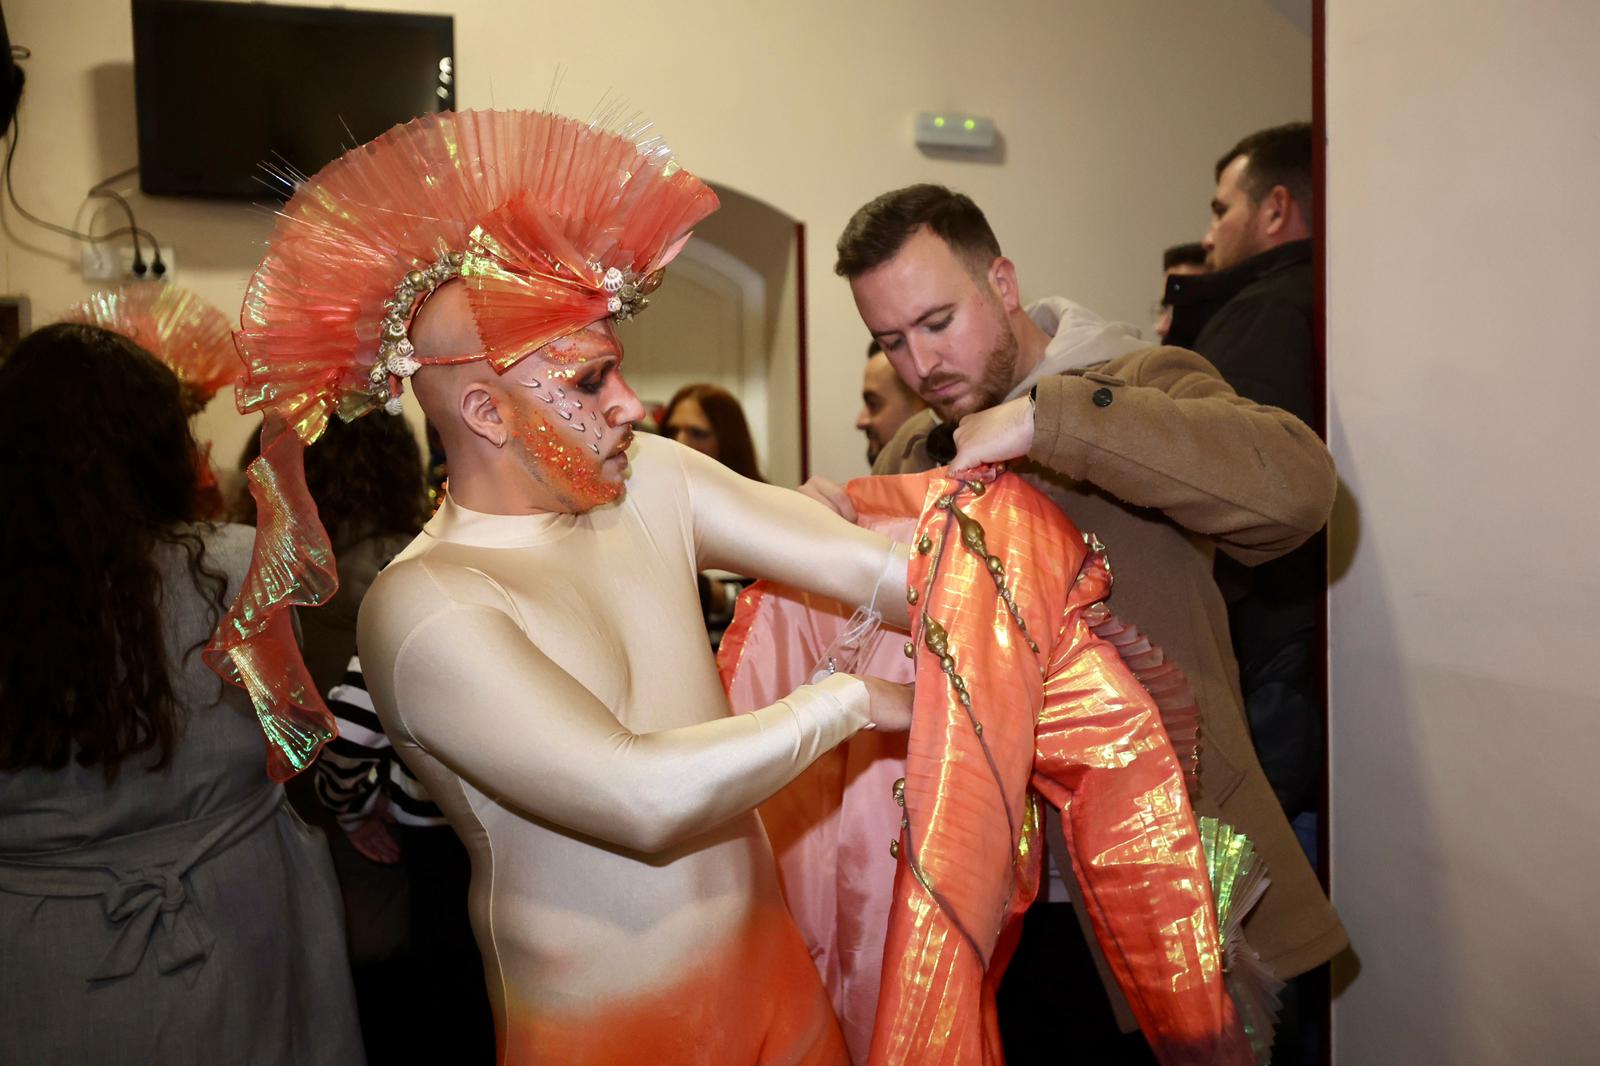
<point>185,332</point>
<point>551,223</point>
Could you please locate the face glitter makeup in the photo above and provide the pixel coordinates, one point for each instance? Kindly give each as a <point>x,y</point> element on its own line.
<point>559,461</point>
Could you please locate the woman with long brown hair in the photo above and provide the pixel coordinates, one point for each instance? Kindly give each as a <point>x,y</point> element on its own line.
<point>159,902</point>
<point>708,419</point>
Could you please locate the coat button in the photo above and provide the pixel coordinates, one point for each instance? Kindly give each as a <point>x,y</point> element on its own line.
<point>1101,397</point>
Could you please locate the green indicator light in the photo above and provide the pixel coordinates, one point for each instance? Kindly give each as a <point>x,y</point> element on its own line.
<point>939,121</point>
<point>970,124</point>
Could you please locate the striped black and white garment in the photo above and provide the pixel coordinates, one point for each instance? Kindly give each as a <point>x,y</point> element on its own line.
<point>360,761</point>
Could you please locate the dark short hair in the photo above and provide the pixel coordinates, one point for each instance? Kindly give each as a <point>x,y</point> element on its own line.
<point>1277,156</point>
<point>876,232</point>
<point>873,348</point>
<point>1190,254</point>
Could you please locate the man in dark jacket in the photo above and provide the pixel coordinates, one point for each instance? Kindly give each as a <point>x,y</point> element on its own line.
<point>1252,317</point>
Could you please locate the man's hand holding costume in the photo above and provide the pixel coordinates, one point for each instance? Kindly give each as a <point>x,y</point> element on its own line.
<point>996,435</point>
<point>830,495</point>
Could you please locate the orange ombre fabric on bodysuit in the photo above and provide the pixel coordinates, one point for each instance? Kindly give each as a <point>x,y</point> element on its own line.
<point>748,1000</point>
<point>1050,711</point>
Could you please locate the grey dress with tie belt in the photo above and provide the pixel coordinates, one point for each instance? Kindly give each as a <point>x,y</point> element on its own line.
<point>179,916</point>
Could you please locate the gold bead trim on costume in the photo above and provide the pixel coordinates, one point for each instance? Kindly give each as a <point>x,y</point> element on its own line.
<point>936,639</point>
<point>972,539</point>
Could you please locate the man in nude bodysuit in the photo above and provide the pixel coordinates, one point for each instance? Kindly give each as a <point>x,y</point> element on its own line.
<point>537,654</point>
<point>536,658</point>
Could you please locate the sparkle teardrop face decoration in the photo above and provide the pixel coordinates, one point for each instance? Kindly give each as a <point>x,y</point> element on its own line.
<point>563,436</point>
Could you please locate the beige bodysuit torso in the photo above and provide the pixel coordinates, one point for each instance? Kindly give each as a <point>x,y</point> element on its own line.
<point>549,680</point>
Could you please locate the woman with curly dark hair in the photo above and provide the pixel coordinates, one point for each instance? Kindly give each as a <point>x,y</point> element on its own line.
<point>159,902</point>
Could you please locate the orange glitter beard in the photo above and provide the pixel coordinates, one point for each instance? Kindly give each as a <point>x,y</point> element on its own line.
<point>558,457</point>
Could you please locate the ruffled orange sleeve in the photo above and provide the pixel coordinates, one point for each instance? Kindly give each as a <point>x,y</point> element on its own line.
<point>1103,758</point>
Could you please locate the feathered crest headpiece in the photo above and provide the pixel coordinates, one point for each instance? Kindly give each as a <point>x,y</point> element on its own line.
<point>551,223</point>
<point>179,328</point>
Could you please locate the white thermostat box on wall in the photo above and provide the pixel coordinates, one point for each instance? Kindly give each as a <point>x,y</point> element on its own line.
<point>946,129</point>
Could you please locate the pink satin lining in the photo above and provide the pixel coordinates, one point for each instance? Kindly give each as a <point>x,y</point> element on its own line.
<point>830,828</point>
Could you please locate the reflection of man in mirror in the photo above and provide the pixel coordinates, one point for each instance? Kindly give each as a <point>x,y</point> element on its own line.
<point>886,402</point>
<point>536,654</point>
<point>1150,449</point>
<point>1181,260</point>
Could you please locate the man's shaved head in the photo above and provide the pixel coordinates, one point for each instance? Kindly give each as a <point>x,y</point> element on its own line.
<point>444,327</point>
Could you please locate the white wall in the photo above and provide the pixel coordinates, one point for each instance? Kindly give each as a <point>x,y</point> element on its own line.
<point>1463,374</point>
<point>1112,114</point>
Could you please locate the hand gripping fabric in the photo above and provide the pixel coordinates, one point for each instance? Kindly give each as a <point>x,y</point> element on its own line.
<point>177,327</point>
<point>551,223</point>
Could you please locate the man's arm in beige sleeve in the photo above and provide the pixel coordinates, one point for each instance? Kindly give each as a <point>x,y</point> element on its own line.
<point>764,531</point>
<point>1161,429</point>
<point>469,687</point>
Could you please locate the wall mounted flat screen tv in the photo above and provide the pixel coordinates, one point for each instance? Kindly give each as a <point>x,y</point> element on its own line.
<point>222,88</point>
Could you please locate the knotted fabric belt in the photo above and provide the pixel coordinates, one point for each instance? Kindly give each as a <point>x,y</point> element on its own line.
<point>139,879</point>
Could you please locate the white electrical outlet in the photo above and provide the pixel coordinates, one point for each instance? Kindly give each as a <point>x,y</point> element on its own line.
<point>112,262</point>
<point>99,262</point>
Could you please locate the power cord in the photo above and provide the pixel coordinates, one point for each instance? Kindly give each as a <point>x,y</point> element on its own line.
<point>157,266</point>
<point>102,188</point>
<point>139,267</point>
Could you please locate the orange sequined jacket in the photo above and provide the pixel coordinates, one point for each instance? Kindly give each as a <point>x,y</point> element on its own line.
<point>1018,700</point>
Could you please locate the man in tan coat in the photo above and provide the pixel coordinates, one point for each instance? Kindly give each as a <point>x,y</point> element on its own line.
<point>1150,450</point>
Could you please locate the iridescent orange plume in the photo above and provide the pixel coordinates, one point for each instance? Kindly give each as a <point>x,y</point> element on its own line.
<point>177,327</point>
<point>551,223</point>
<point>531,209</point>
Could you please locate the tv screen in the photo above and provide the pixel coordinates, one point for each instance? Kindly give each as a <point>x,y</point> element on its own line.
<point>223,88</point>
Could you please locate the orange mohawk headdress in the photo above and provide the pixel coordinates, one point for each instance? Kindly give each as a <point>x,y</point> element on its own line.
<point>177,327</point>
<point>552,224</point>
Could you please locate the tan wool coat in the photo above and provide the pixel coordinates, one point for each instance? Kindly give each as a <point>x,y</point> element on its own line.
<point>1156,455</point>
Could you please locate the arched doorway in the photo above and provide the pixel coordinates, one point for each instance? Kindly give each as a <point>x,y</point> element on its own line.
<point>731,313</point>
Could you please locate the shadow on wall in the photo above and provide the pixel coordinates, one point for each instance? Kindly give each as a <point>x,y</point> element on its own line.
<point>225,236</point>
<point>1344,533</point>
<point>1375,724</point>
<point>116,129</point>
